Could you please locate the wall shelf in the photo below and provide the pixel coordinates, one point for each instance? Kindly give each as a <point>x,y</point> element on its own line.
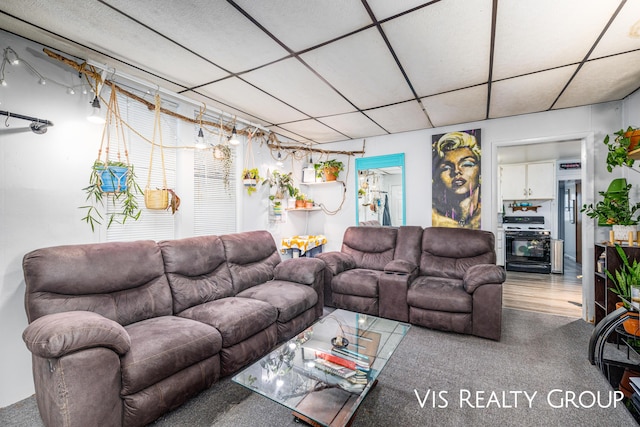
<point>525,208</point>
<point>302,209</point>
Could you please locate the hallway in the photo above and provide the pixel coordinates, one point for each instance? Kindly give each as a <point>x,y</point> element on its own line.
<point>546,293</point>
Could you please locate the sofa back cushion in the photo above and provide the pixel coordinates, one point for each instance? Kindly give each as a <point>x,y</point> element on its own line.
<point>370,247</point>
<point>251,257</point>
<point>123,281</point>
<point>408,245</point>
<point>449,252</point>
<point>197,270</point>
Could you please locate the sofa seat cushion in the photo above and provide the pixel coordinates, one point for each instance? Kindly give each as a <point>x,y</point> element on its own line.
<point>236,318</point>
<point>359,281</point>
<point>162,346</point>
<point>291,299</point>
<point>439,293</point>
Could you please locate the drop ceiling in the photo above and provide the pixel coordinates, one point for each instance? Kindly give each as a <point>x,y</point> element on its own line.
<point>333,70</point>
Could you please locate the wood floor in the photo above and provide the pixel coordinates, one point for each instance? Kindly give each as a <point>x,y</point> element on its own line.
<point>547,293</point>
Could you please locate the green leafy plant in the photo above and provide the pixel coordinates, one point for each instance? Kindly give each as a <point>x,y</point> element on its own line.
<point>332,167</point>
<point>618,148</point>
<point>626,277</point>
<point>251,174</point>
<point>222,153</point>
<point>129,208</point>
<point>283,183</point>
<point>613,209</point>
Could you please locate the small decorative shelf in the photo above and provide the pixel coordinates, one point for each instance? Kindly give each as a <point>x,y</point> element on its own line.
<point>525,208</point>
<point>303,209</point>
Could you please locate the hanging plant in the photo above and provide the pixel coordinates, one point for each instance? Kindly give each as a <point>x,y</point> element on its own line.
<point>250,179</point>
<point>112,178</point>
<point>222,153</point>
<point>250,175</point>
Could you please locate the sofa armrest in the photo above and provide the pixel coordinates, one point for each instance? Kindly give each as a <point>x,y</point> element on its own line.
<point>483,274</point>
<point>337,262</point>
<point>400,266</point>
<point>300,270</point>
<point>55,335</point>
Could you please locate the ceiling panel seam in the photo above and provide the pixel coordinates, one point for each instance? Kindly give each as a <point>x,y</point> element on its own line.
<point>395,57</point>
<point>296,56</point>
<point>164,36</point>
<point>586,57</point>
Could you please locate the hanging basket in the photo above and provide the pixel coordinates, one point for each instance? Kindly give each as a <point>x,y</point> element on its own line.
<point>156,199</point>
<point>113,179</point>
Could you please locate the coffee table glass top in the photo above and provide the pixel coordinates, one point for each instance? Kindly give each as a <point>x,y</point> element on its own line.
<point>325,372</point>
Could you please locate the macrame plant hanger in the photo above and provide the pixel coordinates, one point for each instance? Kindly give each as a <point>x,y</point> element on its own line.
<point>157,198</point>
<point>113,180</point>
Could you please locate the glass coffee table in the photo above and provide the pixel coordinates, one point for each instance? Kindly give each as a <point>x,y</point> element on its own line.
<point>324,373</point>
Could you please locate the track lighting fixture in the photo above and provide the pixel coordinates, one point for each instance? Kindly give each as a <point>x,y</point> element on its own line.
<point>233,140</point>
<point>95,116</point>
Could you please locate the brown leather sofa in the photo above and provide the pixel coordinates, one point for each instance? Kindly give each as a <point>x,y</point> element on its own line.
<point>440,278</point>
<point>121,333</point>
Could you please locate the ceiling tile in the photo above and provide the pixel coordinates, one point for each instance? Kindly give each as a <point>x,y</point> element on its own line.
<point>362,69</point>
<point>212,29</point>
<point>287,79</point>
<point>623,34</point>
<point>314,131</point>
<point>245,97</point>
<point>288,134</point>
<point>444,46</point>
<point>460,106</point>
<point>354,125</point>
<point>213,104</point>
<point>547,35</point>
<point>129,42</point>
<point>529,93</point>
<point>586,87</point>
<point>302,24</point>
<point>383,9</point>
<point>401,117</point>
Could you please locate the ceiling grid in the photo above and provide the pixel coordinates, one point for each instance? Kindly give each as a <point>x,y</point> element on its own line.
<point>330,70</point>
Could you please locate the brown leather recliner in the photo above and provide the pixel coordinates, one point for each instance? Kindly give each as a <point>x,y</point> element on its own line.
<point>441,278</point>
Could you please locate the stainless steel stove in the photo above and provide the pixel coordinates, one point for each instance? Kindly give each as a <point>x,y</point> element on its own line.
<point>527,244</point>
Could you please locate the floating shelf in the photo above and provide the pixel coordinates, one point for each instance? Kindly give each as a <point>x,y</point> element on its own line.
<point>525,208</point>
<point>303,209</point>
<point>635,154</point>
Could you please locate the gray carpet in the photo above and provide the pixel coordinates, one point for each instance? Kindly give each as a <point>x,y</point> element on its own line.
<point>537,353</point>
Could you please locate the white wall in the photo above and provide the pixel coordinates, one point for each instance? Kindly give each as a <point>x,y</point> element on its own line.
<point>41,177</point>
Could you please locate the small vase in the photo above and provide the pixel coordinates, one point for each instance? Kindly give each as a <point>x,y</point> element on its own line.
<point>308,205</point>
<point>299,204</point>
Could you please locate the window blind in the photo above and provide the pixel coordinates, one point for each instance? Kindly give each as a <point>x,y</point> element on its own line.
<point>152,224</point>
<point>215,211</point>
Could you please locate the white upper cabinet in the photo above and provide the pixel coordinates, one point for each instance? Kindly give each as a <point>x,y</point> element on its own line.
<point>528,181</point>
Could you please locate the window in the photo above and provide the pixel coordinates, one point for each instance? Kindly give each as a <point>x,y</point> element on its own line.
<point>215,180</point>
<point>153,224</point>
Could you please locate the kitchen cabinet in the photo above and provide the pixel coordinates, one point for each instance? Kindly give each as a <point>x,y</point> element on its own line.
<point>528,181</point>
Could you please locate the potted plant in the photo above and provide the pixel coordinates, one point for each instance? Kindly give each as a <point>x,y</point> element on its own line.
<point>300,199</point>
<point>627,287</point>
<point>615,209</point>
<point>277,208</point>
<point>329,169</point>
<point>625,140</point>
<point>222,153</point>
<point>283,183</point>
<point>250,178</point>
<point>308,204</point>
<point>116,180</point>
